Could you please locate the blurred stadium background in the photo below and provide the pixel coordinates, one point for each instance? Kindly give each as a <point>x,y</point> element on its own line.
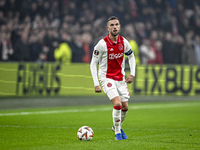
<point>46,48</point>
<point>46,89</point>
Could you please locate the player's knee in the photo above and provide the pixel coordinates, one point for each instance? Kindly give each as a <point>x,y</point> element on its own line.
<point>117,101</point>
<point>117,104</point>
<point>125,106</point>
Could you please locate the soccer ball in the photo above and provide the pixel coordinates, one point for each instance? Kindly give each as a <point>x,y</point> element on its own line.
<point>85,133</point>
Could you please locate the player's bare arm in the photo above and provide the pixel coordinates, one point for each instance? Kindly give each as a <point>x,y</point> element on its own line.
<point>129,79</point>
<point>98,89</point>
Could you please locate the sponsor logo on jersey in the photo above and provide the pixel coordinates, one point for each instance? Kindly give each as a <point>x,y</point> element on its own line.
<point>115,56</point>
<point>96,52</point>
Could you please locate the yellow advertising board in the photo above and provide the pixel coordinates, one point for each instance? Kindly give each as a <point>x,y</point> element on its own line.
<point>53,79</point>
<point>167,80</point>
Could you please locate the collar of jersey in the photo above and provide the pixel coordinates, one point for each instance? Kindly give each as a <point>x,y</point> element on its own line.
<point>113,43</point>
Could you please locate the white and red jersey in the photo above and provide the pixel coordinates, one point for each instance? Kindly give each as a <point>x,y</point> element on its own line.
<point>110,57</point>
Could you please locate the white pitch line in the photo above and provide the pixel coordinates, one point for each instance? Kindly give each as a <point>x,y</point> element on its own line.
<point>54,127</point>
<point>54,112</point>
<point>147,106</point>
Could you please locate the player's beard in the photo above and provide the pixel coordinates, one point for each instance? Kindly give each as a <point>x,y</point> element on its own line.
<point>115,33</point>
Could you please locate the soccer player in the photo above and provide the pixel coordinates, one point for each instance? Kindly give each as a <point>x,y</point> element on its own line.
<point>109,54</point>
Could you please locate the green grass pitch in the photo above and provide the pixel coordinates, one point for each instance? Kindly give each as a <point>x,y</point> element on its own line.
<point>164,125</point>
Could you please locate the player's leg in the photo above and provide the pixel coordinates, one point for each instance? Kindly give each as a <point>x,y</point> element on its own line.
<point>116,114</point>
<point>109,88</point>
<point>124,111</point>
<point>123,116</point>
<point>117,107</point>
<point>124,95</point>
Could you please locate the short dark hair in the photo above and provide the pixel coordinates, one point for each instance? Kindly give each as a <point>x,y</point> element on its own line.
<point>112,18</point>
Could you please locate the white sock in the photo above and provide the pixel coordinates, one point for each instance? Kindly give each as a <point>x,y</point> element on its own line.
<point>123,115</point>
<point>117,118</point>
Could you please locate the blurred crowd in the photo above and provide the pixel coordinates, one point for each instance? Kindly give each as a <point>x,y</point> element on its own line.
<point>159,31</point>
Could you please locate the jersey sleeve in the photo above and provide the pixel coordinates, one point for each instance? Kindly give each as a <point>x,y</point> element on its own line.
<point>129,53</point>
<point>96,56</point>
<point>127,47</point>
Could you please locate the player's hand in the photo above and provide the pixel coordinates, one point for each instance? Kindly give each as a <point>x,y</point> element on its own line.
<point>129,79</point>
<point>98,89</point>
